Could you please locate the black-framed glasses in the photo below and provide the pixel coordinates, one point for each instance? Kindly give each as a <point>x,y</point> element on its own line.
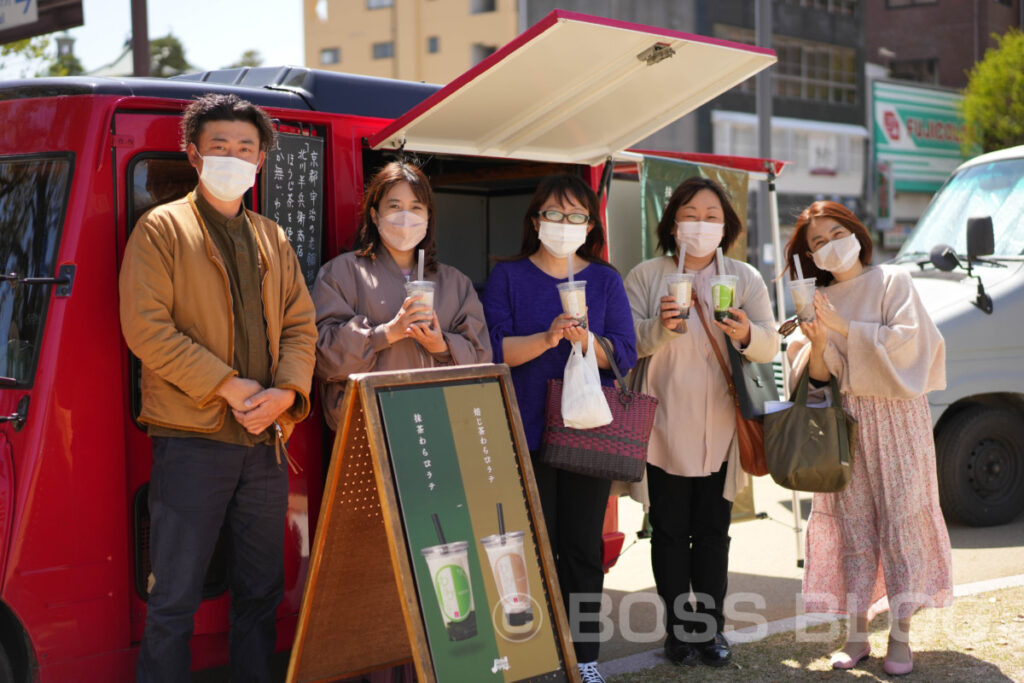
<point>556,216</point>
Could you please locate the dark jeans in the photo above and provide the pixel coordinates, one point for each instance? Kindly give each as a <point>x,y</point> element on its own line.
<point>198,486</point>
<point>690,549</point>
<point>574,507</point>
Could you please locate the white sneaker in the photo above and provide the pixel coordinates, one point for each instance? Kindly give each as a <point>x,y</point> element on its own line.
<point>589,673</point>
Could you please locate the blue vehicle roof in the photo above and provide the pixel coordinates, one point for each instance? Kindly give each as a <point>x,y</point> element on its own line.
<point>287,87</point>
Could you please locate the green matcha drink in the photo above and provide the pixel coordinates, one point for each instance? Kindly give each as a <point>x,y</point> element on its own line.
<point>723,294</point>
<point>449,573</point>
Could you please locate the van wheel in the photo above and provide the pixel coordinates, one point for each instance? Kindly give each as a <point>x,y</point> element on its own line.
<point>6,670</point>
<point>980,454</point>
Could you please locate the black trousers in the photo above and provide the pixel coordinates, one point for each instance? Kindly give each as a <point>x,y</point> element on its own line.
<point>574,507</point>
<point>690,549</point>
<point>198,486</point>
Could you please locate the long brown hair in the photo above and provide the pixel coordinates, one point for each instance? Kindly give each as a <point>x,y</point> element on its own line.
<point>565,188</point>
<point>368,241</point>
<point>798,242</point>
<point>684,193</point>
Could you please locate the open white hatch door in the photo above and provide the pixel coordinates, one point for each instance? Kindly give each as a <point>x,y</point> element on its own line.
<point>574,88</point>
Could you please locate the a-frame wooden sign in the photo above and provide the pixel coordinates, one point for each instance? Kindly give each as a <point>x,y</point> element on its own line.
<point>431,544</point>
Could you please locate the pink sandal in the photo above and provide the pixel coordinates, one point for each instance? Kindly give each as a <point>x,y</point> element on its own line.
<point>898,668</point>
<point>842,660</point>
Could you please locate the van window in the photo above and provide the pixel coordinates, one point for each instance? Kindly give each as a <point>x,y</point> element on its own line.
<point>33,198</point>
<point>157,179</point>
<point>995,189</point>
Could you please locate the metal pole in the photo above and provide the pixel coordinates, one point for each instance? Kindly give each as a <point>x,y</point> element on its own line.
<point>140,39</point>
<point>763,101</point>
<point>780,306</point>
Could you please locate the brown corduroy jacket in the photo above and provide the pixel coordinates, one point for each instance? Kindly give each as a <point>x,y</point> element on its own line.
<point>176,316</point>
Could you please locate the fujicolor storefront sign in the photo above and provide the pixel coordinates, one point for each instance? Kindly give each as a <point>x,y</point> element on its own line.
<point>917,134</point>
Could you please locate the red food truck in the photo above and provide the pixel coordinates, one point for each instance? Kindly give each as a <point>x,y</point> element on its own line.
<point>82,158</point>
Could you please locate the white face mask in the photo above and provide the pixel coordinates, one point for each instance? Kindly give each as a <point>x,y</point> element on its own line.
<point>227,178</point>
<point>562,239</point>
<point>837,256</point>
<point>700,237</point>
<point>402,230</point>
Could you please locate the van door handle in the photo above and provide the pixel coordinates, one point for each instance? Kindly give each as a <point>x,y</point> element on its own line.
<point>64,280</point>
<point>18,417</point>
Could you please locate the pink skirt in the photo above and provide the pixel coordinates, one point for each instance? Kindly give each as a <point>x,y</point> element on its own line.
<point>882,542</point>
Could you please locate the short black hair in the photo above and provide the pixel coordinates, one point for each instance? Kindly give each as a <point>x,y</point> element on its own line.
<point>684,193</point>
<point>564,186</point>
<point>220,107</point>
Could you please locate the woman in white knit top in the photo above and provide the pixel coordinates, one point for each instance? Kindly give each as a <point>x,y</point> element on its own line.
<point>693,469</point>
<point>881,543</point>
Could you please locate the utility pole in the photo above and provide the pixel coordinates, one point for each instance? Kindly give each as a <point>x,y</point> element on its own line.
<point>758,232</point>
<point>140,38</point>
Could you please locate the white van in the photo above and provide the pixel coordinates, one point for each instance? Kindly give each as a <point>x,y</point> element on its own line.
<point>966,256</point>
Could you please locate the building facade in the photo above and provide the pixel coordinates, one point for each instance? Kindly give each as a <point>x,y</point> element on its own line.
<point>818,84</point>
<point>935,42</point>
<point>415,40</point>
<point>920,54</point>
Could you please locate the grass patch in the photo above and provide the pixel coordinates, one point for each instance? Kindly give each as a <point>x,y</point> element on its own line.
<point>979,638</point>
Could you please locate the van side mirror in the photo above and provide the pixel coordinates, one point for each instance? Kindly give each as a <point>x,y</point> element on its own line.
<point>980,239</point>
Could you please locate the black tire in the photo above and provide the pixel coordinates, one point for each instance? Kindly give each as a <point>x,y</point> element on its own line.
<point>980,453</point>
<point>6,671</point>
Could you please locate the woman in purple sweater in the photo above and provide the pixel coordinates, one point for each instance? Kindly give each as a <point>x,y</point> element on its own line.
<point>530,333</point>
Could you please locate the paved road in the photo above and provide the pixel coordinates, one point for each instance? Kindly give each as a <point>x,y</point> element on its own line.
<point>762,562</point>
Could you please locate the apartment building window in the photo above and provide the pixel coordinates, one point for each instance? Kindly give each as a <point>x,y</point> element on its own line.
<point>330,55</point>
<point>433,44</point>
<point>383,50</point>
<point>378,4</point>
<point>805,70</point>
<point>481,6</point>
<point>847,7</point>
<point>482,52</point>
<point>920,70</point>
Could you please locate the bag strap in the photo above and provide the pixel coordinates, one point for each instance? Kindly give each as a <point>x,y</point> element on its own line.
<point>718,354</point>
<point>625,397</point>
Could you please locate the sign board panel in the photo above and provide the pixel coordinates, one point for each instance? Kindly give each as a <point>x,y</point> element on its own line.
<point>917,132</point>
<point>444,535</point>
<point>293,189</point>
<point>20,19</point>
<point>18,12</point>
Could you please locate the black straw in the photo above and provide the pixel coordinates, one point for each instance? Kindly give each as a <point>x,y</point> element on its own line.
<point>501,524</point>
<point>437,528</point>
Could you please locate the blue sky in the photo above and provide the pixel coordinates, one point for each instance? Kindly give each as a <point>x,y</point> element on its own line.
<point>214,32</point>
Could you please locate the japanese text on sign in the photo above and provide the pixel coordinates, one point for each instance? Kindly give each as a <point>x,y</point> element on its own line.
<point>293,196</point>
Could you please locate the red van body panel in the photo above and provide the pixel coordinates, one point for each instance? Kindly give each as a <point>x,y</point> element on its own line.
<point>69,478</point>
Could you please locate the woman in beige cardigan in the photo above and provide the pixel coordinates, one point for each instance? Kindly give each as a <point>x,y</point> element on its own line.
<point>881,542</point>
<point>693,469</point>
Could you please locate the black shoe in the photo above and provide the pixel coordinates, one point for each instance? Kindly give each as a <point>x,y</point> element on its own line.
<point>715,653</point>
<point>679,652</point>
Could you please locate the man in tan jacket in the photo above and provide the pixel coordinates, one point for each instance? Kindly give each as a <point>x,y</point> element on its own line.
<point>214,305</point>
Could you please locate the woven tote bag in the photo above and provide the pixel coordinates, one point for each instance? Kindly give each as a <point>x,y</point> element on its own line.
<point>617,451</point>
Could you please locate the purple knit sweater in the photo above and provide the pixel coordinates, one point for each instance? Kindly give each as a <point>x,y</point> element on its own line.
<point>520,299</point>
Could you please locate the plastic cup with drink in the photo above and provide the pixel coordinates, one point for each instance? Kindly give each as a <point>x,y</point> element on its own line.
<point>680,288</point>
<point>574,300</point>
<point>723,294</point>
<point>802,290</point>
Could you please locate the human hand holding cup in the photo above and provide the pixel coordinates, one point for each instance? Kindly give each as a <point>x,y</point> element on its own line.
<point>574,300</point>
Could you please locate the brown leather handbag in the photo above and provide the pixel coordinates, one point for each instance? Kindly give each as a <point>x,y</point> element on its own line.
<point>749,433</point>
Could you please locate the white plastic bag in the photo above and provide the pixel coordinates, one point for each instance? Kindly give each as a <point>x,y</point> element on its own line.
<point>583,403</point>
